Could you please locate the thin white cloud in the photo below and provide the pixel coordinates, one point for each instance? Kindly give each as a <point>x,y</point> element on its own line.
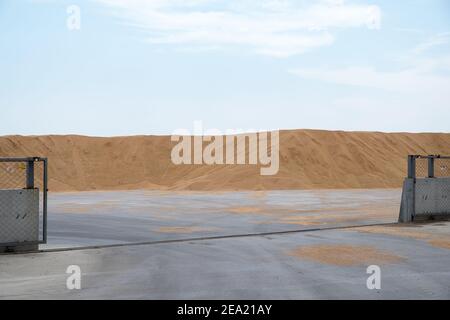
<point>411,80</point>
<point>436,40</point>
<point>271,27</point>
<point>423,74</point>
<point>416,96</point>
<point>410,30</point>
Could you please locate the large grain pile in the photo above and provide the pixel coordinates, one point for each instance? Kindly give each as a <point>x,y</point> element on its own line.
<point>308,159</point>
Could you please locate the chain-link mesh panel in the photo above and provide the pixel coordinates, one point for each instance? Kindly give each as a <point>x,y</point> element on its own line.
<point>421,167</point>
<point>12,175</point>
<point>442,167</point>
<point>432,166</point>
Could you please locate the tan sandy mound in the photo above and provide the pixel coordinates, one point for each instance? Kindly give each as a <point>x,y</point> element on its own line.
<point>309,159</point>
<point>345,255</point>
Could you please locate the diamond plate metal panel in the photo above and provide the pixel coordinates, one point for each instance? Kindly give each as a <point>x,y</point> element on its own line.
<point>19,215</point>
<point>432,196</point>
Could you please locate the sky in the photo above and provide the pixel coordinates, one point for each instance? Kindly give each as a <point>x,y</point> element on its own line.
<point>135,67</point>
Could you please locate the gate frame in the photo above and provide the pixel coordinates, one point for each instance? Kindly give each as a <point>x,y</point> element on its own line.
<point>29,184</point>
<point>408,200</point>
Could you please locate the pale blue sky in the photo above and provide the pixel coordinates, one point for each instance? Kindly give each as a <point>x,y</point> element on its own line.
<point>151,67</point>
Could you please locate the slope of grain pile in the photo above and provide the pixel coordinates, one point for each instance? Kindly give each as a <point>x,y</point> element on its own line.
<point>308,159</point>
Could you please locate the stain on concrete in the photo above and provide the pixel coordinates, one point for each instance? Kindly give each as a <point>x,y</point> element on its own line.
<point>440,243</point>
<point>184,229</point>
<point>413,231</point>
<point>345,255</point>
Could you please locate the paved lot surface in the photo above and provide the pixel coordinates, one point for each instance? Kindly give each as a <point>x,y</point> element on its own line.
<point>93,218</point>
<point>311,265</point>
<point>327,264</point>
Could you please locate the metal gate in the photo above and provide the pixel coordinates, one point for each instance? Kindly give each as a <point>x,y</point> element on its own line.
<point>23,203</point>
<point>426,190</point>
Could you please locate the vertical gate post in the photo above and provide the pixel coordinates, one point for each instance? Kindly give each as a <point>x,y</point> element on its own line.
<point>411,166</point>
<point>430,166</point>
<point>30,174</point>
<point>407,206</point>
<point>44,204</point>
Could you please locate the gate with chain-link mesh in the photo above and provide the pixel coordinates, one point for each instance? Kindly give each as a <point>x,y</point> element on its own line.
<point>426,190</point>
<point>23,203</point>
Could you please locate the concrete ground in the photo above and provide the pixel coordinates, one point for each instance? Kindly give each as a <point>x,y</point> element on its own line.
<point>326,264</point>
<point>101,218</point>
